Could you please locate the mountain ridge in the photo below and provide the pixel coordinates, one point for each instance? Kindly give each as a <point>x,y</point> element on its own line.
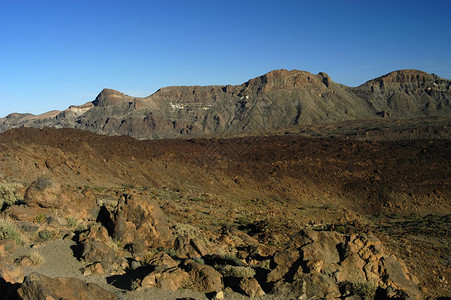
<point>275,100</point>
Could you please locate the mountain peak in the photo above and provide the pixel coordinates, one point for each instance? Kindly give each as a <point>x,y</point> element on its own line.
<point>284,79</point>
<point>108,97</point>
<point>404,76</point>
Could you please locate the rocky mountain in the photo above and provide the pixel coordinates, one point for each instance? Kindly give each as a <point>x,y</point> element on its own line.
<point>276,100</point>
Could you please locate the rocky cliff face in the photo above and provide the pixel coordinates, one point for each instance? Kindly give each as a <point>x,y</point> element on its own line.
<point>275,100</point>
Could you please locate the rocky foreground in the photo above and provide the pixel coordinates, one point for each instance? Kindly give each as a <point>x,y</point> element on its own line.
<point>282,217</point>
<point>129,239</point>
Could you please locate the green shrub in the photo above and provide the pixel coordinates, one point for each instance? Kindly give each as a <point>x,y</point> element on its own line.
<point>10,231</point>
<point>39,218</point>
<point>340,228</point>
<point>71,222</point>
<point>233,260</point>
<point>198,260</point>
<point>9,195</point>
<point>237,271</point>
<point>45,235</point>
<point>366,290</point>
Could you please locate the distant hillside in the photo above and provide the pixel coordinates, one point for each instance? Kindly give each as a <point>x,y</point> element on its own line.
<point>276,100</point>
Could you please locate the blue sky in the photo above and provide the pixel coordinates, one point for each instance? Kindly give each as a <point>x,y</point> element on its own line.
<point>57,53</point>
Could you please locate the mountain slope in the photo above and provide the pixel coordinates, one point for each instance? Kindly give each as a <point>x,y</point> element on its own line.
<point>276,100</point>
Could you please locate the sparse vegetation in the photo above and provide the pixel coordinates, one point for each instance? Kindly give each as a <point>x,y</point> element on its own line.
<point>45,235</point>
<point>71,222</point>
<point>366,290</point>
<point>36,258</point>
<point>198,260</point>
<point>9,195</point>
<point>236,271</point>
<point>135,284</point>
<point>40,218</point>
<point>233,260</point>
<point>10,231</point>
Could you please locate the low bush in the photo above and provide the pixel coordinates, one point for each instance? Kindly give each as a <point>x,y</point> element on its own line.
<point>9,195</point>
<point>36,258</point>
<point>366,290</point>
<point>10,231</point>
<point>45,235</point>
<point>237,271</point>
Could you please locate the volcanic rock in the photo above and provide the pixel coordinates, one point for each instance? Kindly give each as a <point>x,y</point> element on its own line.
<point>38,286</point>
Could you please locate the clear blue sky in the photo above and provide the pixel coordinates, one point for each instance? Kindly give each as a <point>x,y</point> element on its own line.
<point>57,53</point>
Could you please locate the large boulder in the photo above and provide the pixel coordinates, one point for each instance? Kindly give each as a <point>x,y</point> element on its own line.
<point>168,279</point>
<point>39,287</point>
<point>141,223</point>
<point>204,277</point>
<point>49,193</point>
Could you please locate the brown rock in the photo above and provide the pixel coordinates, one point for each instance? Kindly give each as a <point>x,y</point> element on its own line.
<point>397,275</point>
<point>138,219</point>
<point>199,246</point>
<point>250,287</point>
<point>162,259</point>
<point>47,192</point>
<point>321,286</point>
<point>283,260</point>
<point>205,278</point>
<point>7,247</point>
<point>37,286</point>
<point>44,192</point>
<point>352,269</point>
<point>11,273</point>
<point>183,247</point>
<point>168,279</point>
<point>98,233</point>
<point>97,251</point>
<point>24,261</point>
<point>323,247</point>
<point>95,268</point>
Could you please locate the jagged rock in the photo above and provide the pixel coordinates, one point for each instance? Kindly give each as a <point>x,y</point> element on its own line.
<point>205,278</point>
<point>141,223</point>
<point>186,247</point>
<point>320,285</point>
<point>168,279</point>
<point>251,288</point>
<point>98,233</point>
<point>397,276</point>
<point>44,192</point>
<point>40,287</point>
<point>7,246</point>
<point>11,273</point>
<point>47,192</point>
<point>95,268</point>
<point>352,269</point>
<point>97,251</point>
<point>162,259</point>
<point>323,246</point>
<point>219,296</point>
<point>315,263</point>
<point>283,261</point>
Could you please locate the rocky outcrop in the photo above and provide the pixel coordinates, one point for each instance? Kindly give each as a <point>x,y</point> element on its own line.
<point>39,287</point>
<point>276,100</point>
<point>322,264</point>
<point>47,192</point>
<point>140,223</point>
